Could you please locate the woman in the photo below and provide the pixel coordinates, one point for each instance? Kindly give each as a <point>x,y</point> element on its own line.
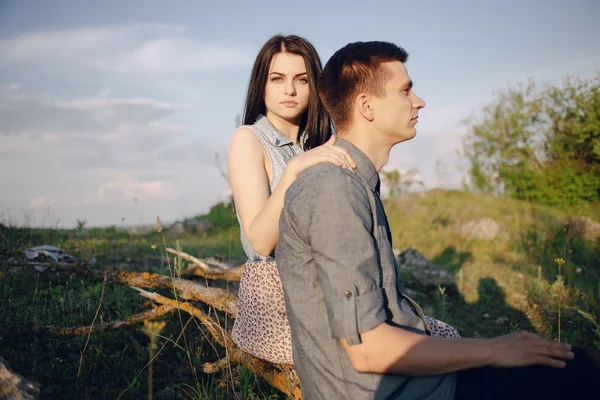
<point>286,130</point>
<point>283,117</point>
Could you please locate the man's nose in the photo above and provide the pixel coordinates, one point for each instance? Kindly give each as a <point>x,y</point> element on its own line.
<point>418,102</point>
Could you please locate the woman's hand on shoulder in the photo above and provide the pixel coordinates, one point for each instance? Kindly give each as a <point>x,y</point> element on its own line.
<point>327,152</point>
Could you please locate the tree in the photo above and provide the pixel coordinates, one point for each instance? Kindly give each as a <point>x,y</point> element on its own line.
<point>541,145</point>
<point>399,183</point>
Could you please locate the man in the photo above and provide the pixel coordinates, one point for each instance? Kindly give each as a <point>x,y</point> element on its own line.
<point>355,332</point>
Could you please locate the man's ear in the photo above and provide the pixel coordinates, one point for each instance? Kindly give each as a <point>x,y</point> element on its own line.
<point>363,106</point>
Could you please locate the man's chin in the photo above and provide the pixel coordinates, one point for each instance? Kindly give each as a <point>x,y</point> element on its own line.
<point>409,135</point>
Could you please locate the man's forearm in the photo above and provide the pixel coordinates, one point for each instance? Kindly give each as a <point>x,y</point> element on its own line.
<point>387,349</point>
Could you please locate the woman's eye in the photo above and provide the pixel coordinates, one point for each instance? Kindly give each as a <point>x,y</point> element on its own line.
<point>303,80</point>
<point>276,79</point>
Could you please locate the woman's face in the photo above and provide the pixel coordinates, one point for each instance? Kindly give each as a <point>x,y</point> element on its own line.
<point>287,89</point>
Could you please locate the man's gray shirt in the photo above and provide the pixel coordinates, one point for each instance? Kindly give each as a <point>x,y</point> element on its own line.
<point>340,279</point>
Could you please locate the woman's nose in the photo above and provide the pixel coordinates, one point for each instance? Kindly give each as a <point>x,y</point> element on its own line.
<point>290,89</point>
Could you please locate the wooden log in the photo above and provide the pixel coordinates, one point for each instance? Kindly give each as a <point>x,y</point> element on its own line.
<point>134,319</point>
<point>190,290</point>
<point>272,374</point>
<point>214,297</point>
<point>207,269</point>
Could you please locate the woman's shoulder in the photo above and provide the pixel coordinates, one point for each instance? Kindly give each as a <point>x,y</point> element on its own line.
<point>244,140</point>
<point>244,133</point>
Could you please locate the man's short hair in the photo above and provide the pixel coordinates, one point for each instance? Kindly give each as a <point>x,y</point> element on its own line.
<point>353,69</point>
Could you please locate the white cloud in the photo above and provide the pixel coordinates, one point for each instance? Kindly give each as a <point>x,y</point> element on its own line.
<point>131,49</point>
<point>72,44</point>
<point>128,187</point>
<point>22,113</point>
<point>100,159</point>
<point>42,203</point>
<point>13,87</point>
<point>188,152</point>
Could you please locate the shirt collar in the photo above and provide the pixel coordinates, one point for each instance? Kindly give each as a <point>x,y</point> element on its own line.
<point>364,167</point>
<point>276,138</point>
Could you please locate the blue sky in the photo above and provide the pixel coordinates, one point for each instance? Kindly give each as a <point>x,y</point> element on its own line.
<point>112,112</point>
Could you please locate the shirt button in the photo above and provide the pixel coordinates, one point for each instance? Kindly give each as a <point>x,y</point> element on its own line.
<point>348,293</point>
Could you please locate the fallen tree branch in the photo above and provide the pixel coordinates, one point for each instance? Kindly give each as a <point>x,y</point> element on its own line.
<point>206,270</point>
<point>134,319</point>
<point>214,297</point>
<point>269,372</point>
<point>281,377</point>
<point>213,368</point>
<point>190,290</point>
<point>284,381</point>
<point>214,328</point>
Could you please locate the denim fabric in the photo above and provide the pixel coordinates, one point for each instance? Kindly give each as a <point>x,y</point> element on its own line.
<point>280,151</point>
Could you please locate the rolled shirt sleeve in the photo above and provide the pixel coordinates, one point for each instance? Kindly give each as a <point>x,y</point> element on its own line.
<point>334,214</point>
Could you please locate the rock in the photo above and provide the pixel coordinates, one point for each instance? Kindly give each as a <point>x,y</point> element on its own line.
<point>177,229</point>
<point>50,251</point>
<point>14,386</point>
<point>421,273</point>
<point>199,226</point>
<point>584,228</point>
<point>46,253</point>
<point>485,228</point>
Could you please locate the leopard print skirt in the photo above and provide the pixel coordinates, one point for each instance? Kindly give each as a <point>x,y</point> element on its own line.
<point>441,329</point>
<point>261,327</point>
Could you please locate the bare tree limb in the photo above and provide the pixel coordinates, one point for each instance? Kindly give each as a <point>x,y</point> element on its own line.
<point>220,334</point>
<point>134,319</point>
<point>279,376</point>
<point>269,372</point>
<point>214,297</point>
<point>204,269</point>
<point>213,368</point>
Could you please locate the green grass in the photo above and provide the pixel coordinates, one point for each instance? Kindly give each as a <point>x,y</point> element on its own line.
<point>115,362</point>
<point>508,283</point>
<point>512,281</point>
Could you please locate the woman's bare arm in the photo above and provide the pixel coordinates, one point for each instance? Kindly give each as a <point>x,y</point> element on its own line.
<point>249,182</point>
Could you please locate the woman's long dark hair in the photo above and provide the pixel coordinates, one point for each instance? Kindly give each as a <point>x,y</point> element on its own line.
<point>315,121</point>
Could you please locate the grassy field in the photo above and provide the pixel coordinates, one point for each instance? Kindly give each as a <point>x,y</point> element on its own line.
<point>518,280</point>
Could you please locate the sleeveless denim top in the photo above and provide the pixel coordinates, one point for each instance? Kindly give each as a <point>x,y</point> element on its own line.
<point>280,151</point>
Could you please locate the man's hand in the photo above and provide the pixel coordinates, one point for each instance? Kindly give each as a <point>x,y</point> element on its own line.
<point>523,348</point>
